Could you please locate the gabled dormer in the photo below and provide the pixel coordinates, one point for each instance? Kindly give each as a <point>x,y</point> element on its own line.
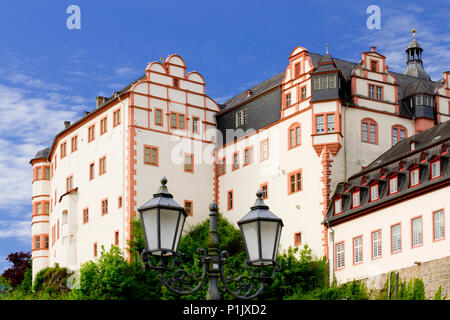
<point>326,80</point>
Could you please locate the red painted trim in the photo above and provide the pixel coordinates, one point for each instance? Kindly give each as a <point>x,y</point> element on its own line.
<point>91,133</point>
<point>398,127</point>
<point>104,206</point>
<point>74,143</point>
<point>103,125</point>
<point>297,143</point>
<point>368,122</point>
<point>264,184</point>
<point>249,150</point>
<point>192,207</point>
<point>85,215</point>
<point>296,242</point>
<point>343,253</point>
<point>156,164</point>
<point>102,168</point>
<point>294,174</point>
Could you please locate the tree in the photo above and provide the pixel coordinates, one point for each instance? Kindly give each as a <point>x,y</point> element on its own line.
<point>21,263</point>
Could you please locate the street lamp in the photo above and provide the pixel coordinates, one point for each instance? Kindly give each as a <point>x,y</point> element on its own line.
<point>163,220</point>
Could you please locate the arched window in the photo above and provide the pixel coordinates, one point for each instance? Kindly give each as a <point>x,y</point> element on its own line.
<point>369,131</point>
<point>294,135</point>
<point>398,133</point>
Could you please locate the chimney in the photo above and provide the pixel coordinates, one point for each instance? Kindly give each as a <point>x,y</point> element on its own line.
<point>373,48</point>
<point>99,100</point>
<point>248,93</point>
<point>66,124</point>
<point>85,113</point>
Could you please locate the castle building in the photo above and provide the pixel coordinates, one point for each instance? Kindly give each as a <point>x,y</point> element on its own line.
<point>295,136</point>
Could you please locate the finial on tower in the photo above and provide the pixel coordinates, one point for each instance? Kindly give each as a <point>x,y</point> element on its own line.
<point>326,48</point>
<point>414,33</point>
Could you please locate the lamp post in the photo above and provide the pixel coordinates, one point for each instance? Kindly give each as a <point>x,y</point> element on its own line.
<point>163,220</point>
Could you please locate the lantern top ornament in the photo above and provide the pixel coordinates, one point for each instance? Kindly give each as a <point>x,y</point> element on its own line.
<point>259,211</point>
<point>162,198</point>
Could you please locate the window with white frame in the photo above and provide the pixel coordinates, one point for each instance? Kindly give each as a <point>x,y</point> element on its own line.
<point>340,255</point>
<point>393,185</point>
<point>330,123</point>
<point>416,227</point>
<point>319,124</point>
<point>435,169</point>
<point>241,117</point>
<point>338,206</point>
<point>376,244</point>
<point>396,238</point>
<point>414,175</point>
<point>355,199</point>
<point>374,192</point>
<point>438,225</point>
<point>357,250</point>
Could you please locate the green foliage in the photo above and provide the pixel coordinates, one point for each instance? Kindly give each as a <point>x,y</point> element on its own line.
<point>113,278</point>
<point>438,294</point>
<point>414,290</point>
<point>52,281</point>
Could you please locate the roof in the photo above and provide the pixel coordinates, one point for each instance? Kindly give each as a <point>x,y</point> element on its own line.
<point>41,154</point>
<point>395,162</point>
<point>423,140</point>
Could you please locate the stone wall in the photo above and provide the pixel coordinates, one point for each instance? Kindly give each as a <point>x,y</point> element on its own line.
<point>434,273</point>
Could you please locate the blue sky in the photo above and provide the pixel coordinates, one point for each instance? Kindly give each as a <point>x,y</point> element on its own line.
<point>49,73</point>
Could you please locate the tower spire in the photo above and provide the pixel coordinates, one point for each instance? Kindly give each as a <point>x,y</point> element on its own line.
<point>326,48</point>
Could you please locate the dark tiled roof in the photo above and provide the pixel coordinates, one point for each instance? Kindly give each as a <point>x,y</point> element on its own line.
<point>429,141</point>
<point>42,154</point>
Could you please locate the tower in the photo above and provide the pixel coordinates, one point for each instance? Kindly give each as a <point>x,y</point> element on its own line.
<point>40,210</point>
<point>414,63</point>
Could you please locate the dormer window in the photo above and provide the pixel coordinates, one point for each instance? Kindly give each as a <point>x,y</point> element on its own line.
<point>374,194</point>
<point>356,201</point>
<point>374,65</point>
<point>338,206</point>
<point>324,82</point>
<point>393,185</point>
<point>435,169</point>
<point>288,100</point>
<point>412,146</point>
<point>414,177</point>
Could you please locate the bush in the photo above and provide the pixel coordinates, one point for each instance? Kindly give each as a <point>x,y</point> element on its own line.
<point>113,278</point>
<point>414,290</point>
<point>51,281</point>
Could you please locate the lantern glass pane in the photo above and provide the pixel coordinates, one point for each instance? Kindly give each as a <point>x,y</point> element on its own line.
<point>268,238</point>
<point>179,231</point>
<point>150,219</point>
<point>169,227</point>
<point>250,233</point>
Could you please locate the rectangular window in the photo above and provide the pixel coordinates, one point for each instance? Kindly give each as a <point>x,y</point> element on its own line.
<point>316,83</point>
<point>188,207</point>
<point>438,225</point>
<point>230,200</point>
<point>332,81</point>
<point>376,244</point>
<point>393,185</point>
<point>63,149</point>
<point>116,118</point>
<point>288,100</point>
<point>296,70</point>
<point>241,117</point>
<point>104,207</point>
<point>265,191</point>
<point>37,244</point>
<point>297,239</point>
<point>374,66</point>
<point>295,181</point>
<point>47,173</point>
<point>38,208</point>
<point>303,93</point>
<point>435,169</point>
<point>338,206</point>
<point>357,250</point>
<point>379,93</point>
<point>371,91</point>
<point>95,249</point>
<point>151,155</point>
<point>414,177</point>
<point>248,156</point>
<point>103,125</point>
<point>235,161</point>
<point>69,183</point>
<point>176,83</point>
<point>46,208</point>
<point>195,122</point>
<point>320,124</point>
<point>340,262</point>
<point>91,133</point>
<point>264,150</point>
<point>119,202</point>
<point>173,120</point>
<point>85,215</point>
<point>355,199</point>
<point>74,144</point>
<point>396,238</point>
<point>46,242</point>
<point>221,167</point>
<point>116,238</point>
<point>324,82</point>
<point>91,171</point>
<point>364,129</point>
<point>330,123</point>
<point>188,162</point>
<point>38,173</point>
<point>181,121</point>
<point>102,166</point>
<point>374,192</point>
<point>416,232</point>
<point>158,117</point>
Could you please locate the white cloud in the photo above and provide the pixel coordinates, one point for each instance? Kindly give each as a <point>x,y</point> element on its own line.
<point>395,34</point>
<point>125,71</point>
<point>28,124</point>
<point>20,230</point>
